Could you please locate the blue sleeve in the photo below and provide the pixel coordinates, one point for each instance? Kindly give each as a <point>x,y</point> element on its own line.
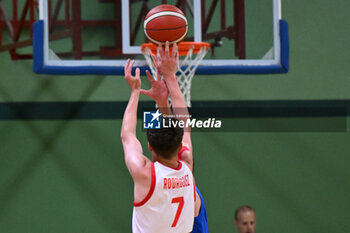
<point>200,224</point>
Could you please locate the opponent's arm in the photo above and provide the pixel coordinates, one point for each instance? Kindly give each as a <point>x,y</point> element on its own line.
<point>135,161</point>
<point>159,93</point>
<point>167,65</point>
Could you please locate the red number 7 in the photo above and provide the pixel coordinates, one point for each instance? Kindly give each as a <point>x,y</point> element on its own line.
<point>179,200</point>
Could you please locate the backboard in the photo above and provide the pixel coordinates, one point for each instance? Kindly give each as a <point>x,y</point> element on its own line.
<point>96,37</point>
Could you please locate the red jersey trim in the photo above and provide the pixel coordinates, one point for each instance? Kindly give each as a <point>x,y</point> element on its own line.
<point>194,190</point>
<point>151,190</point>
<point>184,148</point>
<point>175,168</point>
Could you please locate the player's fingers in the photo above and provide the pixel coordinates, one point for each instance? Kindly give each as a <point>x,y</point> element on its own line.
<point>129,70</point>
<point>132,64</point>
<point>160,49</point>
<point>144,92</point>
<point>174,51</point>
<point>149,76</point>
<point>127,63</point>
<point>137,72</point>
<point>167,48</point>
<point>126,68</point>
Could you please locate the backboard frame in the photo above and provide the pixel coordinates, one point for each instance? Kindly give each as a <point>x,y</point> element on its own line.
<point>42,63</point>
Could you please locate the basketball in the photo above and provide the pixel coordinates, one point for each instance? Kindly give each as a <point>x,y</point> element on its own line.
<point>165,23</point>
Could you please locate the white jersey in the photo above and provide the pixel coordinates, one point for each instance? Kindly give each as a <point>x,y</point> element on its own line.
<point>169,205</point>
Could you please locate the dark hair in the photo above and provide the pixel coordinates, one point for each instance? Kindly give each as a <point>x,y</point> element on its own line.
<point>166,140</point>
<point>243,208</point>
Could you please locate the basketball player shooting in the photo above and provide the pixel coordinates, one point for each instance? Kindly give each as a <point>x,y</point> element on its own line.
<point>164,189</point>
<point>159,92</point>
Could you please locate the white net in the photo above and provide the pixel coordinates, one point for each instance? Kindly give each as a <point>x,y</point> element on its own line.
<point>185,71</point>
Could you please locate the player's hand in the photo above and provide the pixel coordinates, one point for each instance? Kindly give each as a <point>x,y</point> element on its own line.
<point>133,81</point>
<point>159,91</point>
<point>167,63</point>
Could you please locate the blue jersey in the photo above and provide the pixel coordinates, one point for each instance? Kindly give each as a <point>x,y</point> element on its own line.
<point>200,224</point>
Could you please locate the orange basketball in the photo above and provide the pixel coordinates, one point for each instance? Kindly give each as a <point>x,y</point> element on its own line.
<point>165,23</point>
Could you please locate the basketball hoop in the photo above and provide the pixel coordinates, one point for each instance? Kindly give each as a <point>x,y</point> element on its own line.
<point>186,66</point>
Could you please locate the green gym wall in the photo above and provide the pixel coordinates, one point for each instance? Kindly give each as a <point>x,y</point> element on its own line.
<point>68,175</point>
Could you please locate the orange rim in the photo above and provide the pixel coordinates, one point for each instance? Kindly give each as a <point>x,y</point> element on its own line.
<point>183,47</point>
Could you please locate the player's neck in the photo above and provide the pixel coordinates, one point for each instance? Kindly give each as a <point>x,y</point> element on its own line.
<point>173,162</point>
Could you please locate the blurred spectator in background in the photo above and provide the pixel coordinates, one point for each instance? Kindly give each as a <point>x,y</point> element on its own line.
<point>245,220</point>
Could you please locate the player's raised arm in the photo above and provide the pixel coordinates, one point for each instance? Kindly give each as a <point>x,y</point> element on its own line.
<point>167,65</point>
<point>133,154</point>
